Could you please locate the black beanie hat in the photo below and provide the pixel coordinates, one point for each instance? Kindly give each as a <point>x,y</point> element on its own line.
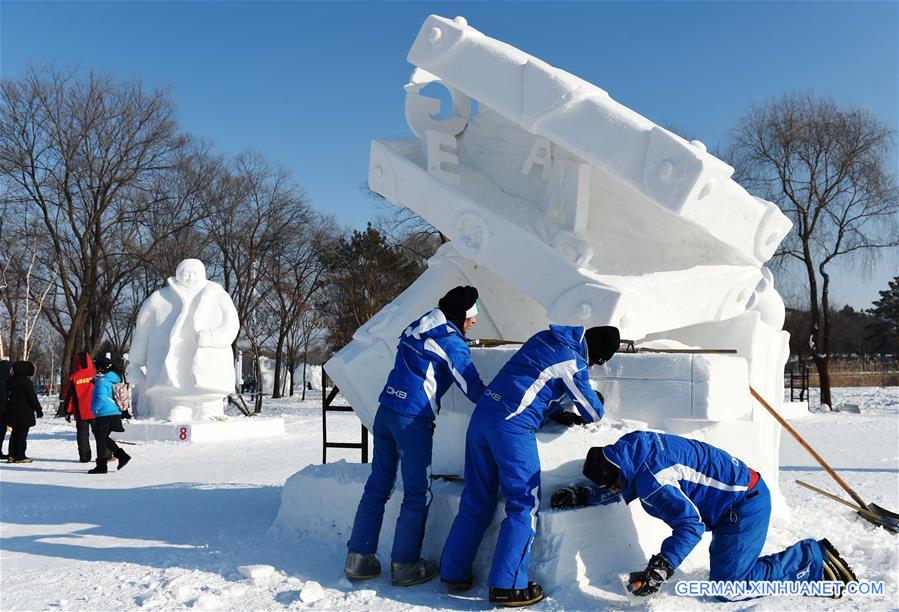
<point>103,364</point>
<point>599,469</point>
<point>456,303</point>
<point>602,343</point>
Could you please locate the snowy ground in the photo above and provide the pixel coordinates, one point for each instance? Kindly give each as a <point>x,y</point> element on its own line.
<point>171,529</point>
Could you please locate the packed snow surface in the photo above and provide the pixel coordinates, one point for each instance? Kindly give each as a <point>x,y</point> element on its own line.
<point>183,525</point>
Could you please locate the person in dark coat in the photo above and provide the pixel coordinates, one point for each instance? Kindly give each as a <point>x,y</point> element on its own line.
<point>5,366</point>
<point>78,402</point>
<point>107,417</point>
<point>21,409</point>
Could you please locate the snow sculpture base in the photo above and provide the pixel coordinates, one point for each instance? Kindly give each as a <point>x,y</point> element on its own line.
<point>585,547</point>
<point>203,431</point>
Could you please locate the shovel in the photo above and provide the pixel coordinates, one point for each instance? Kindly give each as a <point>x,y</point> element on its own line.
<point>872,512</point>
<point>892,528</point>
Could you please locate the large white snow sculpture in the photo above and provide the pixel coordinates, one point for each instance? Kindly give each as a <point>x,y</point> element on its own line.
<point>180,359</point>
<point>564,206</point>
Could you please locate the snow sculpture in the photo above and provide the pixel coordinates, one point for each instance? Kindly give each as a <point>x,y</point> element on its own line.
<point>180,359</point>
<point>564,206</point>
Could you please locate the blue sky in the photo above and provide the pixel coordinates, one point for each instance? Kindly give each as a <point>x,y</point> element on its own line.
<point>310,84</point>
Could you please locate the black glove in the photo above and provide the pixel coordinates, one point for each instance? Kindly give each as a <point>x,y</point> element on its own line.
<point>568,418</point>
<point>650,580</point>
<point>68,418</point>
<point>40,414</point>
<point>601,398</point>
<point>572,496</point>
<point>126,414</point>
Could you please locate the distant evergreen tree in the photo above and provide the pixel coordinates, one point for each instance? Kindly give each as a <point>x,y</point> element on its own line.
<point>365,273</point>
<point>886,310</point>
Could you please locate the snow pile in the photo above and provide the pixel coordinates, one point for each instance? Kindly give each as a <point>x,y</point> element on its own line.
<point>256,573</point>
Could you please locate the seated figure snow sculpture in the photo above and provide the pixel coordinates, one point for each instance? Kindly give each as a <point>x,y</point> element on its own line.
<point>180,359</point>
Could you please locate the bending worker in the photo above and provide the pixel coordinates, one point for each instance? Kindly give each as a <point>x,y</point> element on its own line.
<point>431,355</point>
<point>695,487</point>
<point>501,453</point>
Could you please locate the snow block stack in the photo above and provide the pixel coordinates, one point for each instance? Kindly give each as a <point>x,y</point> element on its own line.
<point>564,206</point>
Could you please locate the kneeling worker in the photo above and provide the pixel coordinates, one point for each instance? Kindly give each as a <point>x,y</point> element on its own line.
<point>501,453</point>
<point>695,487</point>
<point>431,355</point>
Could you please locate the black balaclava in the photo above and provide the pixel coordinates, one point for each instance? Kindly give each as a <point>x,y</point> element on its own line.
<point>602,343</point>
<point>456,303</point>
<point>103,365</point>
<point>599,469</point>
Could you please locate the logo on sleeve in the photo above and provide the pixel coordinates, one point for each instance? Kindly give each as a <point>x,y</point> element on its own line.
<point>396,392</point>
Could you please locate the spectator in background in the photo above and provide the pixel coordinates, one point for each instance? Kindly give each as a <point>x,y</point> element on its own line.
<point>78,402</point>
<point>21,409</point>
<point>107,416</point>
<point>5,367</point>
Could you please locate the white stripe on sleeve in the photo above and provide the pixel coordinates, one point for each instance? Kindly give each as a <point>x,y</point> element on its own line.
<point>564,370</point>
<point>430,388</point>
<point>435,348</point>
<point>677,472</point>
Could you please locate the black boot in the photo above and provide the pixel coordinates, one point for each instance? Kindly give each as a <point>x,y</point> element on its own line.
<point>835,567</point>
<point>515,598</point>
<point>100,468</point>
<point>459,585</point>
<point>123,458</point>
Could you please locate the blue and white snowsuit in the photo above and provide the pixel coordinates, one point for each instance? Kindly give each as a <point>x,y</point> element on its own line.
<point>431,355</point>
<point>695,487</point>
<point>501,452</point>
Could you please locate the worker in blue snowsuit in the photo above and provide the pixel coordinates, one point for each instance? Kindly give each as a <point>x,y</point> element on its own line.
<point>695,487</point>
<point>501,453</point>
<point>432,354</point>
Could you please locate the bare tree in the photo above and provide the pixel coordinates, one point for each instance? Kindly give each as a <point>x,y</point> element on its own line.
<point>827,168</point>
<point>35,296</point>
<point>307,331</point>
<point>405,229</point>
<point>80,154</point>
<point>164,230</point>
<point>295,274</point>
<point>252,218</point>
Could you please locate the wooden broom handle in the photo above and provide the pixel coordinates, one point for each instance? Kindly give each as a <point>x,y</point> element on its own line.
<point>807,447</point>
